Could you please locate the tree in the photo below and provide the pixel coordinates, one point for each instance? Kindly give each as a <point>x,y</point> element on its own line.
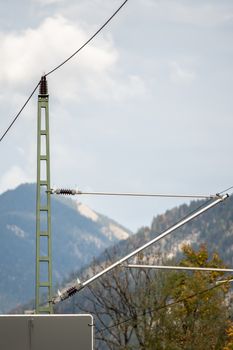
<point>148,309</point>
<point>198,313</point>
<point>229,340</point>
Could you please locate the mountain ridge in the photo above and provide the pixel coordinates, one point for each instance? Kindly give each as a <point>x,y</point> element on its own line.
<point>76,240</point>
<point>213,228</point>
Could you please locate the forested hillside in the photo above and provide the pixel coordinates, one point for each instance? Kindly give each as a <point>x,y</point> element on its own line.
<point>136,309</point>
<point>78,235</point>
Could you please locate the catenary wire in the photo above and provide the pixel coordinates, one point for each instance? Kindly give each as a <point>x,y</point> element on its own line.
<point>18,114</point>
<point>227,189</point>
<point>89,40</point>
<point>163,307</point>
<point>61,64</point>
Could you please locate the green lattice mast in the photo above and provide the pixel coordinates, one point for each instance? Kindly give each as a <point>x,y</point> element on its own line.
<point>43,207</point>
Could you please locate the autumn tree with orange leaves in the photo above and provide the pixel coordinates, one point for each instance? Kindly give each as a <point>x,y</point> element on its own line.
<point>149,309</point>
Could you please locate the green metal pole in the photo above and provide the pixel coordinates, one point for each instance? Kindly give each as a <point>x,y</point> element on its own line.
<point>43,207</point>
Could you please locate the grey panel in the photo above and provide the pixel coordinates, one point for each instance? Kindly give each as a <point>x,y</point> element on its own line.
<point>47,332</point>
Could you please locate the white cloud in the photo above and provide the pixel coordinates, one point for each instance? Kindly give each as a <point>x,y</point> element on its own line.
<point>16,230</point>
<point>107,88</point>
<point>181,74</point>
<point>27,55</point>
<point>203,13</point>
<point>13,177</point>
<point>106,130</point>
<point>48,2</point>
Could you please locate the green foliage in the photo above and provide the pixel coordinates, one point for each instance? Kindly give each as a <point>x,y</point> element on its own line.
<point>198,312</point>
<point>144,309</point>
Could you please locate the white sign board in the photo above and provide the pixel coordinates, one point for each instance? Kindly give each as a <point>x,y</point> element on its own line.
<point>47,332</point>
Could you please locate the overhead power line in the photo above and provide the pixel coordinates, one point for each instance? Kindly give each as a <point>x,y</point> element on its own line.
<point>61,64</point>
<point>18,114</point>
<point>74,192</point>
<point>89,40</point>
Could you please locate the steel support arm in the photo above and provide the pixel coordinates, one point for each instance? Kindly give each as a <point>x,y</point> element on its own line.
<point>180,268</point>
<point>78,286</point>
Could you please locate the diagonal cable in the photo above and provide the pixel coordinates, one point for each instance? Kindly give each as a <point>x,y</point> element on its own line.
<point>61,64</point>
<point>18,114</point>
<point>89,40</point>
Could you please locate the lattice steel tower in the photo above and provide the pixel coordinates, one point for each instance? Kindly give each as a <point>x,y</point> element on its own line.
<point>43,207</point>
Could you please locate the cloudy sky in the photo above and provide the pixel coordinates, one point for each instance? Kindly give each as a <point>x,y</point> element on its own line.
<point>146,107</point>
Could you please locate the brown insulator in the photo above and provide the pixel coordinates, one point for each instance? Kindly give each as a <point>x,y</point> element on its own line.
<point>67,191</point>
<point>43,86</point>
